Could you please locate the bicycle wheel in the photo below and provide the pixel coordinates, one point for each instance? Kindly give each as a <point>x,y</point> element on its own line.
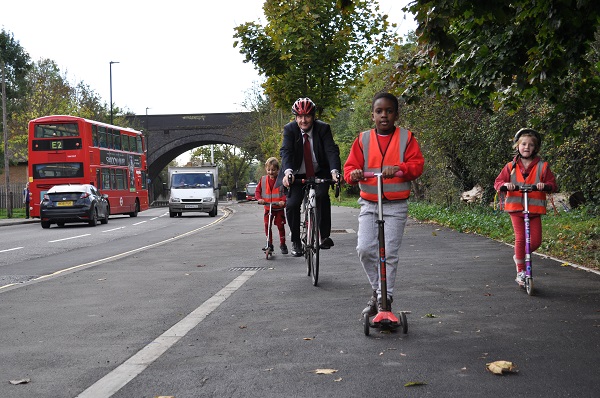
<point>315,243</point>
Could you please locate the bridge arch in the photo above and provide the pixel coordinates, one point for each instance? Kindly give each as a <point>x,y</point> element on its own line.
<point>168,136</point>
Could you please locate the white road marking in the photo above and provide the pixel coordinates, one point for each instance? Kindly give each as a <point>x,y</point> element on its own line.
<point>138,223</point>
<point>128,370</point>
<point>72,237</point>
<point>114,229</point>
<point>8,250</point>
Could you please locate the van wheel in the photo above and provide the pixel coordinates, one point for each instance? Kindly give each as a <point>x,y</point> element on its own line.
<point>213,212</point>
<point>45,224</point>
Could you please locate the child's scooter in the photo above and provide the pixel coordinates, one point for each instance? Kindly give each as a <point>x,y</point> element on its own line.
<point>268,249</point>
<point>384,320</point>
<point>525,189</point>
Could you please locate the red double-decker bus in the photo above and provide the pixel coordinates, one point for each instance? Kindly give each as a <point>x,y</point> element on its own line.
<point>69,149</point>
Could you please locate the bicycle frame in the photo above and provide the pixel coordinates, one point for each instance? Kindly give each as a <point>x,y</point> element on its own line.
<point>309,226</point>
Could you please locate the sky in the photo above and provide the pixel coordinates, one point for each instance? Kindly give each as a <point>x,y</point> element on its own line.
<point>173,56</point>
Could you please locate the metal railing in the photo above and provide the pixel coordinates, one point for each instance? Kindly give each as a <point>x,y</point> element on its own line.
<point>13,198</point>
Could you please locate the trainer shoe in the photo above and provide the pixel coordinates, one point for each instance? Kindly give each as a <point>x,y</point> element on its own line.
<point>371,308</point>
<point>297,249</point>
<point>268,247</point>
<point>389,304</point>
<point>283,248</point>
<point>326,243</point>
<point>520,279</point>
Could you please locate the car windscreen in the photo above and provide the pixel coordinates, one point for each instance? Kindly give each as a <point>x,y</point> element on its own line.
<point>62,196</point>
<point>192,180</point>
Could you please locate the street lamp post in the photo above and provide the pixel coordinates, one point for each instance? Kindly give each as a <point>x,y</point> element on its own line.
<point>111,101</point>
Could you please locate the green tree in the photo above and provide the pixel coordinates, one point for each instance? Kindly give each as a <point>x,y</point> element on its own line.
<point>498,54</point>
<point>314,48</point>
<point>15,63</point>
<point>233,163</point>
<point>267,125</point>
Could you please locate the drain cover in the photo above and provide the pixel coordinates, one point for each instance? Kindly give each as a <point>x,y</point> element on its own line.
<point>247,268</point>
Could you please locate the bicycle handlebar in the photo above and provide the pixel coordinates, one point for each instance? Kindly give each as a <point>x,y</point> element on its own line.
<point>526,188</point>
<point>317,180</point>
<point>370,174</point>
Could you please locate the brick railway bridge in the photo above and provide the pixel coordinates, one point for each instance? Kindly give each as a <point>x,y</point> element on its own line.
<point>168,136</point>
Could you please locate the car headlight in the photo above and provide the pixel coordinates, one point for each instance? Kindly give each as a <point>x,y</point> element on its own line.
<point>207,199</point>
<point>175,200</point>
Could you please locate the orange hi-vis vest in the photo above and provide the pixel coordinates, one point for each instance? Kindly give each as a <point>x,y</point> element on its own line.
<point>537,199</point>
<point>395,188</point>
<point>271,195</point>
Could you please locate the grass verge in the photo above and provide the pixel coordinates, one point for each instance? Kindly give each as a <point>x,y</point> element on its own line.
<point>572,236</point>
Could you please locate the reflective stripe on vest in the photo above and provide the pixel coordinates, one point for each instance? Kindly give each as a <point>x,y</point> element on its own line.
<point>270,195</point>
<point>393,188</point>
<point>537,199</point>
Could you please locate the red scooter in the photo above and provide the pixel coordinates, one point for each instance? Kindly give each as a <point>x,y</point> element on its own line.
<point>384,320</point>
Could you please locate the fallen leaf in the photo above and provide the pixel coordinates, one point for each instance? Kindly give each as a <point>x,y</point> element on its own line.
<point>433,233</point>
<point>242,326</point>
<point>564,265</point>
<point>499,367</point>
<point>430,316</point>
<point>338,379</point>
<point>20,381</point>
<point>325,371</point>
<point>415,383</point>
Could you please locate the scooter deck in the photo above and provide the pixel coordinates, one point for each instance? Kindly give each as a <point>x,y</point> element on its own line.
<point>386,320</point>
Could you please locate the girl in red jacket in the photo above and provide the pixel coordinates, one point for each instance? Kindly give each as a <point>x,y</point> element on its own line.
<point>266,193</point>
<point>526,169</point>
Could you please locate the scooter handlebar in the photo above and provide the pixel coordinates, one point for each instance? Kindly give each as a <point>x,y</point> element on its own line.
<point>370,174</point>
<point>527,188</point>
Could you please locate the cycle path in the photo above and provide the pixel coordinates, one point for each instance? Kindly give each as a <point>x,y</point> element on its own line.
<point>464,311</point>
<point>271,335</point>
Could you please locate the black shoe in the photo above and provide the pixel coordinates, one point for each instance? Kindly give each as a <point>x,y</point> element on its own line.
<point>326,243</point>
<point>371,308</point>
<point>297,249</point>
<point>283,248</point>
<point>389,304</point>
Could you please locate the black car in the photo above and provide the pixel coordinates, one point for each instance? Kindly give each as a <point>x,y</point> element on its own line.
<point>74,203</point>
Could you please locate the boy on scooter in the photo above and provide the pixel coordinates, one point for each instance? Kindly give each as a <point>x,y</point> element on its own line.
<point>385,149</point>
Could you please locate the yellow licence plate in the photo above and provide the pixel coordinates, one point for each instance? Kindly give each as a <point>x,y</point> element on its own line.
<point>65,203</point>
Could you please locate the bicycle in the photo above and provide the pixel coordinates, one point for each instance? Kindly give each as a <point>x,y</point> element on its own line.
<point>528,277</point>
<point>309,225</point>
<point>384,320</point>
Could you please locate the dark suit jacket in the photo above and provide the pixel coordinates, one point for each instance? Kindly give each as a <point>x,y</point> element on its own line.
<point>326,150</point>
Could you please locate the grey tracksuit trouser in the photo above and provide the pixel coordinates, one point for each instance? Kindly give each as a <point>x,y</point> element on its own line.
<point>395,214</point>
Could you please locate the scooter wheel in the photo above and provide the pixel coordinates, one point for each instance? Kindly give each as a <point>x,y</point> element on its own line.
<point>529,286</point>
<point>367,325</point>
<point>404,323</point>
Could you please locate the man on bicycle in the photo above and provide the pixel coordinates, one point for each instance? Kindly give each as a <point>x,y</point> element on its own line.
<point>310,138</point>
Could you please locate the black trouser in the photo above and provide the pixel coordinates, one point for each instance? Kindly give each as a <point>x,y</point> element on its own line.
<point>26,209</point>
<point>294,201</point>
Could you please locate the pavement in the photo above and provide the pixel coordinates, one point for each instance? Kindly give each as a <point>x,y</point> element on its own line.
<point>5,222</point>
